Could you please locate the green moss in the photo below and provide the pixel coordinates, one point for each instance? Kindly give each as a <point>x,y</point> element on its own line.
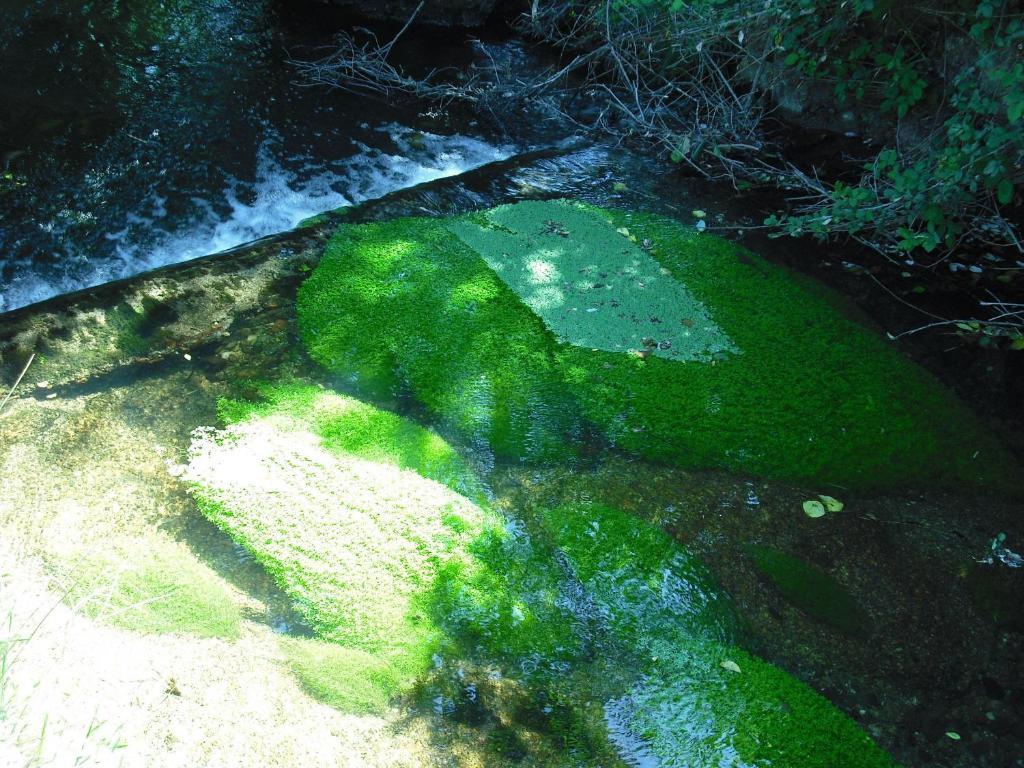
<point>509,600</point>
<point>695,712</point>
<point>152,585</point>
<point>774,377</point>
<point>405,306</point>
<point>348,426</point>
<point>352,542</point>
<point>593,287</point>
<point>810,589</point>
<point>344,678</point>
<point>312,221</point>
<point>387,565</point>
<point>687,709</point>
<point>654,585</point>
<point>812,394</point>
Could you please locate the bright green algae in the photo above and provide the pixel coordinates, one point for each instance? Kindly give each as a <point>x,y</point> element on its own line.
<point>688,709</point>
<point>785,384</point>
<point>398,576</point>
<point>353,542</point>
<point>152,585</point>
<point>390,567</point>
<point>812,395</point>
<point>346,425</point>
<point>404,305</point>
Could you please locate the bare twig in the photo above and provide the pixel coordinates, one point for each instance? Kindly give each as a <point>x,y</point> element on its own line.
<point>18,381</point>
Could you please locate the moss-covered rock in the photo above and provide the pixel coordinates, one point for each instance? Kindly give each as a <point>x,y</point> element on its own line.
<point>405,305</point>
<point>700,701</point>
<point>348,426</point>
<point>695,710</point>
<point>810,589</point>
<point>399,576</point>
<point>151,585</point>
<point>353,542</point>
<point>332,496</point>
<point>520,325</point>
<point>345,678</point>
<point>592,291</point>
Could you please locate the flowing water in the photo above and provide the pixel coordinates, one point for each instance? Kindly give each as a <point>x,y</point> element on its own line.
<point>145,134</point>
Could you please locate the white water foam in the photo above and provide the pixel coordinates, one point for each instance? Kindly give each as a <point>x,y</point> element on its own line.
<point>276,201</point>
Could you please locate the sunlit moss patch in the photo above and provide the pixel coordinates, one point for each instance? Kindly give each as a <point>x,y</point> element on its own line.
<point>811,395</point>
<point>775,378</point>
<point>345,678</point>
<point>390,568</point>
<point>352,542</point>
<point>151,585</point>
<point>593,286</point>
<point>346,425</point>
<point>405,306</point>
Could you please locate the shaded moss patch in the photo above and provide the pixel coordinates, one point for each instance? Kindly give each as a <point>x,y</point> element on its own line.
<point>690,706</point>
<point>694,711</point>
<point>810,589</point>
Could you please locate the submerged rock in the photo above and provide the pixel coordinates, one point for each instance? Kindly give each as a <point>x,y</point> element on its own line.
<point>353,542</point>
<point>347,507</point>
<point>400,577</point>
<point>525,325</point>
<point>810,589</point>
<point>404,305</point>
<point>152,585</point>
<point>699,701</point>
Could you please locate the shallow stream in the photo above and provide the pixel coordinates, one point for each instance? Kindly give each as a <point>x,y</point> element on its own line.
<point>170,131</point>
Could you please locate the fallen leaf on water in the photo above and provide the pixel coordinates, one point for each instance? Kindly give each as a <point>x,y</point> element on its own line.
<point>732,666</point>
<point>814,508</point>
<point>831,504</point>
<point>953,735</point>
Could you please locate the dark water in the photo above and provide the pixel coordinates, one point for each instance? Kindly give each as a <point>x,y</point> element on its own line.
<point>138,134</point>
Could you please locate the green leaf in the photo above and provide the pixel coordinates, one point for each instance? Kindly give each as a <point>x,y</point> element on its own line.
<point>1004,192</point>
<point>831,504</point>
<point>814,508</point>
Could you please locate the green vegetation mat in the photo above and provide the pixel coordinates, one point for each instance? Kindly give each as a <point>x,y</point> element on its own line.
<point>401,578</point>
<point>719,360</point>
